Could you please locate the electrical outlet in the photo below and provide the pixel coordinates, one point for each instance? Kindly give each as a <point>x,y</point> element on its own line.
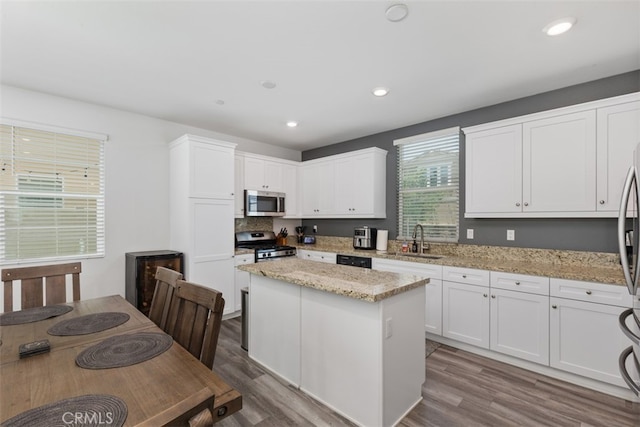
<point>315,228</point>
<point>511,235</point>
<point>470,233</point>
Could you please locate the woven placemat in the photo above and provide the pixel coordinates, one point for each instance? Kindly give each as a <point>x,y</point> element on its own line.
<point>89,324</point>
<point>87,410</point>
<point>124,350</point>
<point>33,314</point>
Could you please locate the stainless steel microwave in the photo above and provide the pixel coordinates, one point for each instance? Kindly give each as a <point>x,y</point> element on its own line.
<point>264,203</point>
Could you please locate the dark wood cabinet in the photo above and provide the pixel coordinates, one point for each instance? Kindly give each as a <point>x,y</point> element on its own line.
<point>140,282</point>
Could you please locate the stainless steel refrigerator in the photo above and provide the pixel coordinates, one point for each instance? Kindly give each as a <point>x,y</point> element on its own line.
<point>628,238</point>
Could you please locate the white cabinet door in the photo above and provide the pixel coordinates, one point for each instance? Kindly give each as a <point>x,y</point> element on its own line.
<point>317,189</point>
<point>559,164</point>
<point>290,188</point>
<point>254,173</point>
<point>520,325</point>
<point>239,186</point>
<point>211,170</point>
<point>465,313</point>
<point>494,171</point>
<point>585,339</point>
<point>273,176</point>
<point>241,278</point>
<point>618,134</point>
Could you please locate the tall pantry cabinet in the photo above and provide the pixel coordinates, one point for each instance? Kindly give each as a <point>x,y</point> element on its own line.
<point>201,209</point>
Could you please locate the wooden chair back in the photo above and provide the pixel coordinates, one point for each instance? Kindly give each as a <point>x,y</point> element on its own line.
<point>34,280</point>
<point>166,281</point>
<point>194,320</point>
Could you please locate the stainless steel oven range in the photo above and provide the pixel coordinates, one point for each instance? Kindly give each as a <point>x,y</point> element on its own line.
<point>264,245</point>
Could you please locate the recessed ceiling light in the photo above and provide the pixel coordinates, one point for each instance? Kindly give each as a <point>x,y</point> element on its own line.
<point>292,123</point>
<point>397,12</point>
<point>268,84</point>
<point>380,91</point>
<point>220,101</point>
<point>559,27</point>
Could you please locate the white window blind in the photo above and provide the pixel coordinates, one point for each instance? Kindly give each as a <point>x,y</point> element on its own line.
<point>51,195</point>
<point>428,185</point>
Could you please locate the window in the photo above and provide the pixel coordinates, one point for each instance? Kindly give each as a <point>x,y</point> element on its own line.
<point>51,193</point>
<point>428,185</point>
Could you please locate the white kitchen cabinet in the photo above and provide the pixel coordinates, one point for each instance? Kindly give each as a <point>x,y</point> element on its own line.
<point>239,186</point>
<point>494,171</point>
<point>567,162</point>
<point>326,257</point>
<point>585,339</point>
<point>290,187</point>
<point>433,290</point>
<point>201,211</point>
<point>618,134</point>
<point>349,185</point>
<point>265,173</point>
<point>558,163</point>
<point>360,184</point>
<point>465,305</point>
<point>520,325</point>
<point>317,188</point>
<point>241,278</point>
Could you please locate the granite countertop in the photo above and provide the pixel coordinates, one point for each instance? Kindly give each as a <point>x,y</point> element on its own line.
<point>358,283</point>
<point>571,265</point>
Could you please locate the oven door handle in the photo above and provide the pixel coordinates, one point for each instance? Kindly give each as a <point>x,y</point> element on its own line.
<point>622,365</point>
<point>625,329</point>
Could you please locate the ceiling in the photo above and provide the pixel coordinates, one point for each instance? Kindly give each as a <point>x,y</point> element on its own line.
<point>202,63</point>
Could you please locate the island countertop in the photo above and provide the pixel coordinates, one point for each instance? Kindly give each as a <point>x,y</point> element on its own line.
<point>354,282</point>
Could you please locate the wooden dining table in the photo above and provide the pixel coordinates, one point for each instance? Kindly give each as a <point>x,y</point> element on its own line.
<point>165,390</point>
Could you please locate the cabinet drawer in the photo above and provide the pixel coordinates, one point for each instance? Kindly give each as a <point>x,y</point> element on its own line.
<point>520,282</point>
<point>417,268</point>
<point>592,292</point>
<point>244,259</point>
<point>468,276</point>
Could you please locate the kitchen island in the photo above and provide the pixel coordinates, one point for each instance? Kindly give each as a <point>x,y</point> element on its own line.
<point>352,338</point>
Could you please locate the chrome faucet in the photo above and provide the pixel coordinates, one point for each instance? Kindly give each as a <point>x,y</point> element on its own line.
<point>423,247</point>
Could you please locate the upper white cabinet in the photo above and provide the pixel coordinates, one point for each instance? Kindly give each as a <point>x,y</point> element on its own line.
<point>618,134</point>
<point>345,185</point>
<point>568,162</point>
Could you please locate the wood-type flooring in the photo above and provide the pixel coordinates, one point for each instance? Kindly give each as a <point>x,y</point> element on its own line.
<point>462,389</point>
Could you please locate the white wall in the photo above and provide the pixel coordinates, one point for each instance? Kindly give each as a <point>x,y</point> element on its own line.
<point>137,198</point>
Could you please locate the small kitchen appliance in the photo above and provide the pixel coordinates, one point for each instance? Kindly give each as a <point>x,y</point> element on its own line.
<point>354,261</point>
<point>264,203</point>
<point>628,242</point>
<point>365,237</point>
<point>264,245</point>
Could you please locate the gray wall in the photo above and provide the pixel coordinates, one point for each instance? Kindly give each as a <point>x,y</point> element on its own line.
<point>570,234</point>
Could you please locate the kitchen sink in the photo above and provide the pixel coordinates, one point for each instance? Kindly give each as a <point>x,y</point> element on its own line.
<point>415,255</point>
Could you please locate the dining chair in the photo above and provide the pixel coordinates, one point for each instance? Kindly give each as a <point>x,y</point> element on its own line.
<point>194,319</point>
<point>52,279</point>
<point>166,281</point>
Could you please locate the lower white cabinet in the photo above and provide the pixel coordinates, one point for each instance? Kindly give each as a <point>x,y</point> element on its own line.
<point>465,313</point>
<point>520,325</point>
<point>433,291</point>
<point>328,257</point>
<point>585,337</point>
<point>241,278</point>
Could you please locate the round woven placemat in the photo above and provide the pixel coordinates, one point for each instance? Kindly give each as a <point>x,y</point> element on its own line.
<point>33,314</point>
<point>89,324</point>
<point>87,410</point>
<point>124,350</point>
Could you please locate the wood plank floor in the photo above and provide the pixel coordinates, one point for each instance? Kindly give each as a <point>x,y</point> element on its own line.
<point>462,389</point>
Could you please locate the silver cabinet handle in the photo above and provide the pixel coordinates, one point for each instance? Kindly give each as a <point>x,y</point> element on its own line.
<point>493,296</point>
<point>588,292</point>
<point>554,306</point>
<point>464,276</point>
<point>602,202</point>
<point>517,283</point>
<point>517,203</point>
<point>526,203</point>
<point>484,295</point>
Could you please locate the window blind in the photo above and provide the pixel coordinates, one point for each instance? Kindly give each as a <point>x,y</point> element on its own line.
<point>51,195</point>
<point>428,185</point>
